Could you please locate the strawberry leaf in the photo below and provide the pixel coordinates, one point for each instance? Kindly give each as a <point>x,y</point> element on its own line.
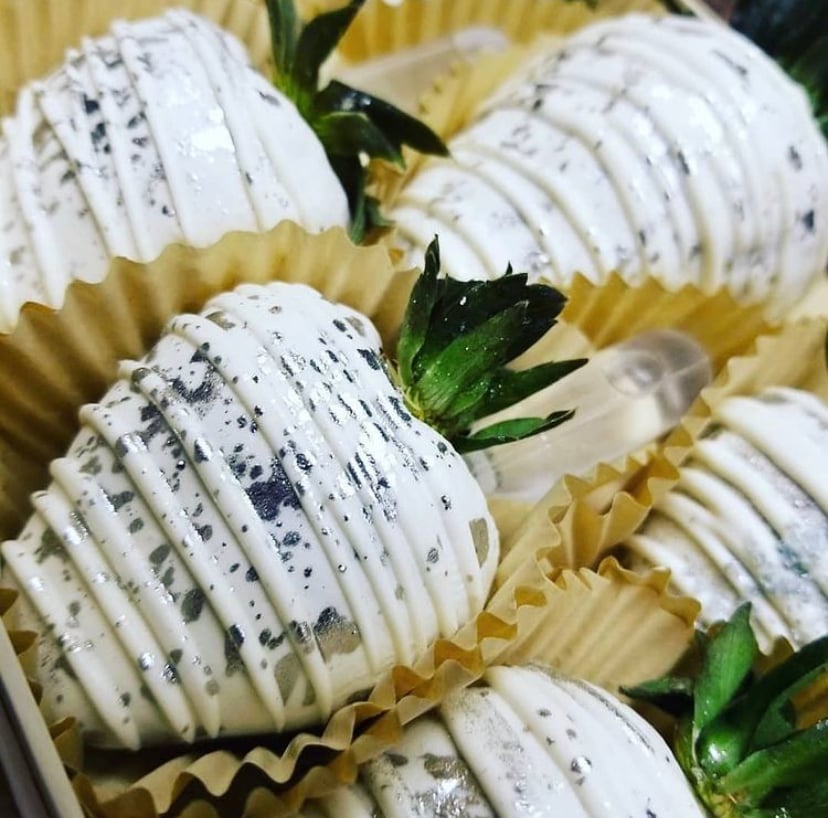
<point>455,342</point>
<point>730,657</point>
<point>509,431</point>
<point>352,126</point>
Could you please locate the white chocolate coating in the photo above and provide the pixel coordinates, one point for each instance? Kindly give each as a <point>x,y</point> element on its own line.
<point>667,147</point>
<point>748,520</point>
<point>248,530</point>
<point>526,744</point>
<point>158,132</point>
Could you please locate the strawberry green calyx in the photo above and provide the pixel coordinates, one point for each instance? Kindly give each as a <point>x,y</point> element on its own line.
<point>353,126</point>
<point>737,736</point>
<point>454,344</point>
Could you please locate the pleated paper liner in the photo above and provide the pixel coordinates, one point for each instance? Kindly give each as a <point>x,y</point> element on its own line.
<point>384,27</point>
<point>581,517</point>
<point>34,34</point>
<point>609,505</point>
<point>572,620</point>
<point>55,361</point>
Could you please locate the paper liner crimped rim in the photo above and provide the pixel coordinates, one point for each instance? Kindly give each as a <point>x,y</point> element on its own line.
<point>383,27</point>
<point>535,617</point>
<point>36,33</point>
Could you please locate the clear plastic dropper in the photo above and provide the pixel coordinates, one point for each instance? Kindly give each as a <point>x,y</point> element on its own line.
<point>625,397</point>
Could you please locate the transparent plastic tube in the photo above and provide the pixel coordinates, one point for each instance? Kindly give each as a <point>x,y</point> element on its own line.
<point>407,74</point>
<point>627,396</point>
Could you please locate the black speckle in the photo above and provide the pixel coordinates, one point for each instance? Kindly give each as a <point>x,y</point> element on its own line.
<point>119,500</point>
<point>794,158</point>
<point>192,604</point>
<point>396,759</point>
<point>371,358</point>
<point>50,546</point>
<point>252,575</point>
<point>158,555</point>
<point>809,221</point>
<point>682,161</point>
<point>269,496</point>
<point>233,638</point>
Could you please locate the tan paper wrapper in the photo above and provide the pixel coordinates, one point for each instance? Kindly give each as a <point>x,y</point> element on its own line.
<point>383,27</point>
<point>36,33</point>
<point>790,356</point>
<point>574,618</point>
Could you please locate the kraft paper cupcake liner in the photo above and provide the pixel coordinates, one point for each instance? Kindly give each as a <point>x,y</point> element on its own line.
<point>55,361</point>
<point>615,500</point>
<point>384,26</point>
<point>581,517</point>
<point>36,33</point>
<point>572,620</point>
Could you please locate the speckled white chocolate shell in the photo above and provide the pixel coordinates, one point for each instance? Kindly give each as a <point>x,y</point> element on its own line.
<point>158,132</point>
<point>248,530</point>
<point>748,519</point>
<point>528,743</point>
<point>667,147</point>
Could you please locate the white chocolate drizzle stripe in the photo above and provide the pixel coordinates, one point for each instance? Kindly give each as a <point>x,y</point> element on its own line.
<point>182,535</point>
<point>403,624</point>
<point>129,629</point>
<point>235,508</point>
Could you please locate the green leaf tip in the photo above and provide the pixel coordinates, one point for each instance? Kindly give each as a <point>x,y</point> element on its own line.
<point>354,127</point>
<point>737,735</point>
<point>456,340</point>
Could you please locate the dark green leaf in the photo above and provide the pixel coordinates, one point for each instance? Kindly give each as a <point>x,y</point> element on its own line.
<point>417,319</point>
<point>350,124</point>
<point>730,657</point>
<point>284,33</point>
<point>345,134</point>
<point>769,700</point>
<point>318,40</point>
<point>470,357</point>
<point>398,126</point>
<point>672,694</point>
<point>509,431</point>
<point>791,763</point>
<point>464,306</point>
<point>455,340</point>
<point>809,800</point>
<point>509,387</point>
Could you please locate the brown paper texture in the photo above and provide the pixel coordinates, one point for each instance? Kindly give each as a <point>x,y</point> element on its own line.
<point>582,517</point>
<point>384,27</point>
